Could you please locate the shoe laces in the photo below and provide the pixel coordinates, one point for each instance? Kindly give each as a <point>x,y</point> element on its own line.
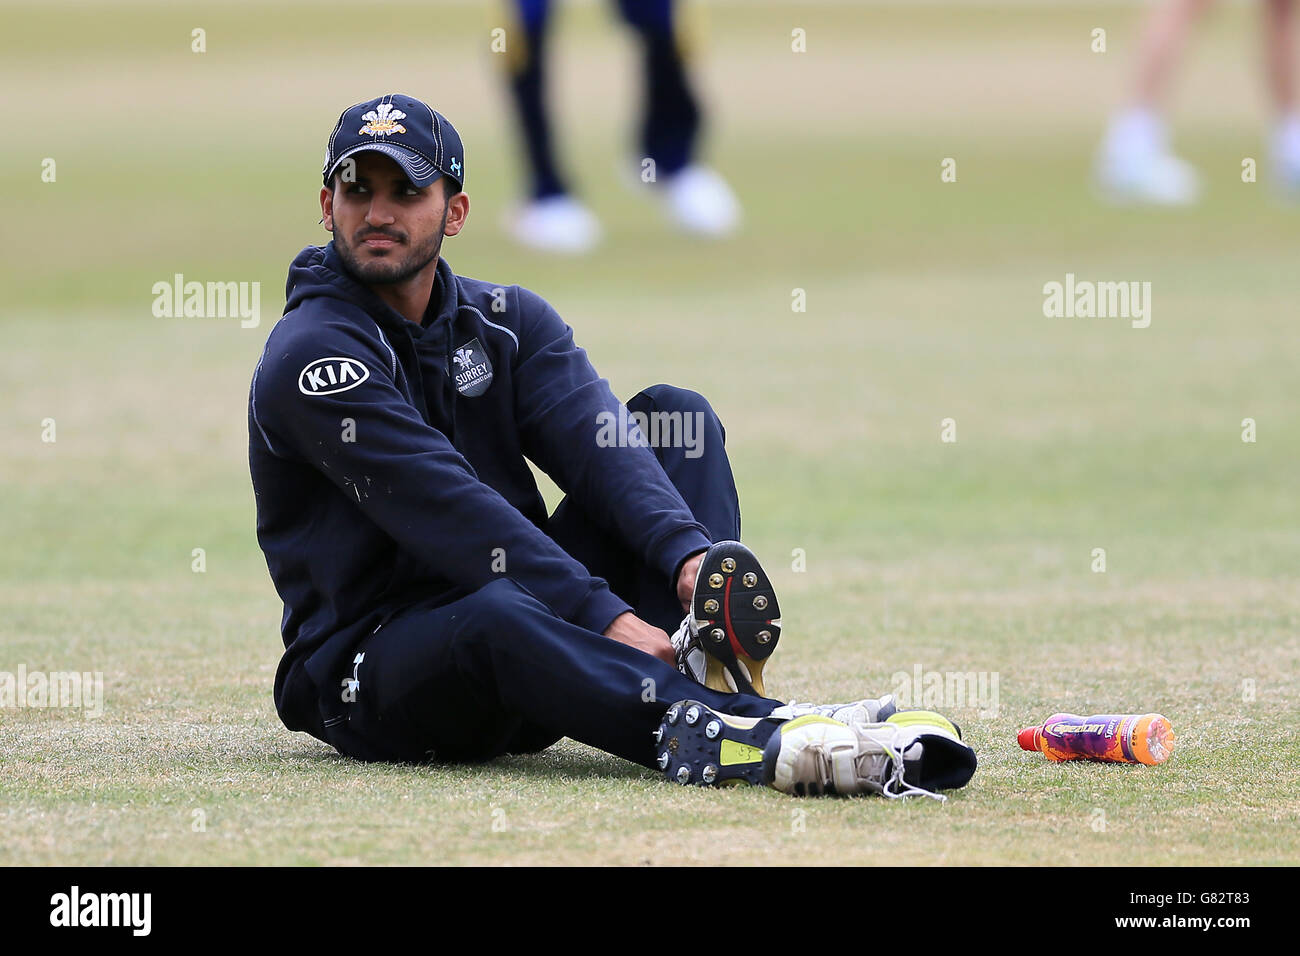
<point>882,768</point>
<point>896,787</point>
<point>682,640</point>
<point>687,645</point>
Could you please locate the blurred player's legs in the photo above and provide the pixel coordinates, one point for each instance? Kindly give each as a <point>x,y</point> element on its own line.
<point>526,55</point>
<point>695,197</point>
<point>670,118</point>
<point>1135,163</point>
<point>551,218</point>
<point>1279,52</point>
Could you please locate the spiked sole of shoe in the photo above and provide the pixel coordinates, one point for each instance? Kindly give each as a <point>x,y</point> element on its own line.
<point>737,616</point>
<point>697,746</point>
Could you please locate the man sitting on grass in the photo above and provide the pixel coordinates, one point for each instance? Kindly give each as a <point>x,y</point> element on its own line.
<point>433,609</point>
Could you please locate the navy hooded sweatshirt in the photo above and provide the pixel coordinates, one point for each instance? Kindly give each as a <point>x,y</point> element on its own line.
<point>388,465</point>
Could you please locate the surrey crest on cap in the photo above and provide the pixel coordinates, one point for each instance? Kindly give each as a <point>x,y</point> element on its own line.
<point>410,132</point>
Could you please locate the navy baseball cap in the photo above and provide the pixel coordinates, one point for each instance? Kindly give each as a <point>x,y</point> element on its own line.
<point>418,138</point>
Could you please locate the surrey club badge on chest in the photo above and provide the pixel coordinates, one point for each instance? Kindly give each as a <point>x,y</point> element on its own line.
<point>471,369</point>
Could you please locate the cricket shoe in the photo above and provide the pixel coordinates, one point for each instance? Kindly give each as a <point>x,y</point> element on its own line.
<point>1159,180</point>
<point>1286,156</point>
<point>698,745</point>
<point>912,753</point>
<point>697,199</point>
<point>700,202</point>
<point>734,622</point>
<point>1135,164</point>
<point>559,224</point>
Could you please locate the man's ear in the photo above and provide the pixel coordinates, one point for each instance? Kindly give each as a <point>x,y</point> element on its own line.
<point>457,213</point>
<point>327,208</point>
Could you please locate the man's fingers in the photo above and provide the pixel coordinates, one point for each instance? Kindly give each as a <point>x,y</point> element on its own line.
<point>629,629</point>
<point>686,579</point>
<point>662,647</point>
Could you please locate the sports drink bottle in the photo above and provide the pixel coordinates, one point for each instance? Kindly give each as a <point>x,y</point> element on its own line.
<point>1116,738</point>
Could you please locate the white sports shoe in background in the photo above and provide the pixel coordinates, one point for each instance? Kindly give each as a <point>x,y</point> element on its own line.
<point>699,201</point>
<point>1286,156</point>
<point>555,224</point>
<point>1135,165</point>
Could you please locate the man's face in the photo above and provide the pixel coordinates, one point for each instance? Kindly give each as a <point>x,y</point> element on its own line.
<point>386,230</point>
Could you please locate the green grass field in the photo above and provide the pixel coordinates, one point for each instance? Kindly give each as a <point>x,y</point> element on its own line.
<point>924,302</point>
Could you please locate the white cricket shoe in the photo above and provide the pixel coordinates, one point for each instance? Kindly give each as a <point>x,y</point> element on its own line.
<point>555,224</point>
<point>1135,165</point>
<point>913,753</point>
<point>700,202</point>
<point>1159,180</point>
<point>1286,156</point>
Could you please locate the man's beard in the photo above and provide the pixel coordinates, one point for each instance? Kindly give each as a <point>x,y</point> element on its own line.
<point>388,270</point>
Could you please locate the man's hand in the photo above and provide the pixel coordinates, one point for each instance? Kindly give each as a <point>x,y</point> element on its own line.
<point>686,579</point>
<point>629,629</point>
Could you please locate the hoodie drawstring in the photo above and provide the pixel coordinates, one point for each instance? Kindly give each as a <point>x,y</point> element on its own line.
<point>455,392</point>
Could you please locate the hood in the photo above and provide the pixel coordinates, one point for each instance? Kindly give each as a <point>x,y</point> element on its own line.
<point>318,272</point>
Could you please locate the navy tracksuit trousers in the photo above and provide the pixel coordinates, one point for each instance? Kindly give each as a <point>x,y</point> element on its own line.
<point>498,672</point>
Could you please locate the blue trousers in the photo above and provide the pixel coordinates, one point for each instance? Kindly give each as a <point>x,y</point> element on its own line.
<point>497,672</point>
